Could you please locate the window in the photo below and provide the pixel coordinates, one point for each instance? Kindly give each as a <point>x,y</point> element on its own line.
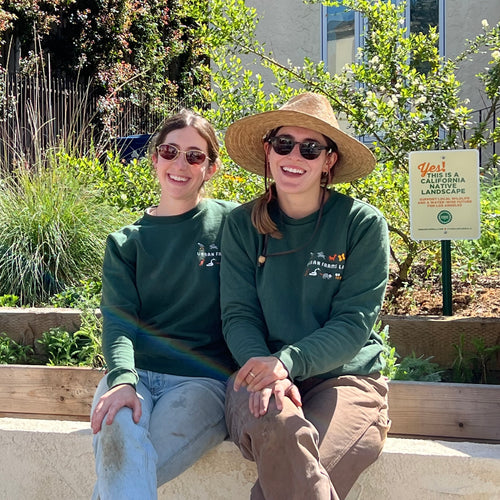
<point>340,36</point>
<point>342,29</point>
<point>422,14</point>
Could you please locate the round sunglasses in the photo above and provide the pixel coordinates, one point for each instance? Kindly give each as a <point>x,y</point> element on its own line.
<point>170,152</point>
<point>284,144</point>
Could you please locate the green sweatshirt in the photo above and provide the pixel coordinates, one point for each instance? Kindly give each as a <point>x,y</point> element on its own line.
<point>160,296</point>
<point>313,309</point>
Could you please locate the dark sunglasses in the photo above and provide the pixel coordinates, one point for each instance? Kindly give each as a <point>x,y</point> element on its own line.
<point>284,144</point>
<point>170,152</point>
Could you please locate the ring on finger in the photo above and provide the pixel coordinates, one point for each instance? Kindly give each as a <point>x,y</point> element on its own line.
<point>252,374</point>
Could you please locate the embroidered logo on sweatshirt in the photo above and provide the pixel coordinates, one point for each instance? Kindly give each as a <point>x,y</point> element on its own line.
<point>325,266</point>
<point>208,255</point>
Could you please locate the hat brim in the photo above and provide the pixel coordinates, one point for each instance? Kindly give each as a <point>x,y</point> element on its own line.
<point>244,143</point>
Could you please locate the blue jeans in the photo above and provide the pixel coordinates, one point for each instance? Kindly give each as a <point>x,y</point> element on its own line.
<point>182,418</point>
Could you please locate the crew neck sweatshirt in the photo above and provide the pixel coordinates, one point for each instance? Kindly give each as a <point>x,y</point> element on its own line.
<point>160,296</point>
<point>315,308</point>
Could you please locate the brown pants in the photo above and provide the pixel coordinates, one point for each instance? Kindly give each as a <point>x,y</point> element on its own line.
<point>318,451</point>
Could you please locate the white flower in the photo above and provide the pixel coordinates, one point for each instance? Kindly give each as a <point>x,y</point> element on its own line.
<point>485,24</point>
<point>495,54</point>
<point>374,60</point>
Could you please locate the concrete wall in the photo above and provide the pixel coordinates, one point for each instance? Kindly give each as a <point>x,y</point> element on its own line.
<point>44,460</point>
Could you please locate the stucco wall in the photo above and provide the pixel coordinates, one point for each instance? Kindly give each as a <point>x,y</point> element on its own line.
<point>289,29</point>
<point>463,22</point>
<point>292,30</point>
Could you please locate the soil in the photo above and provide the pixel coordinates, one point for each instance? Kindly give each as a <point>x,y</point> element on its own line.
<point>423,296</point>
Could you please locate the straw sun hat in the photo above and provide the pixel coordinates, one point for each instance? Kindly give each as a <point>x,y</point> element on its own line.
<point>244,138</point>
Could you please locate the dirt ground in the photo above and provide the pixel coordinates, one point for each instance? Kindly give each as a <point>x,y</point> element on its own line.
<point>480,298</point>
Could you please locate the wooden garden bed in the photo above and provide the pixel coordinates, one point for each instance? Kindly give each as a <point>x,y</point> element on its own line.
<point>467,412</point>
<point>420,409</point>
<point>47,392</point>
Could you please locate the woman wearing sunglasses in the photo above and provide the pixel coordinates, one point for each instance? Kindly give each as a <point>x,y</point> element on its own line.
<point>303,277</point>
<point>161,405</point>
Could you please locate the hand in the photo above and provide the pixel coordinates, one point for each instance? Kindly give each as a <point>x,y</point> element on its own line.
<point>120,396</point>
<point>258,402</point>
<point>260,372</point>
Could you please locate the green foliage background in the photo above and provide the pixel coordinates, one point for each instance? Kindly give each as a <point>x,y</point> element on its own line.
<point>55,215</point>
<point>382,95</point>
<point>129,50</point>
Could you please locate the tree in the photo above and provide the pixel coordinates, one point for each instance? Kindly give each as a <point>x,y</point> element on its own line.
<point>129,49</point>
<point>383,95</point>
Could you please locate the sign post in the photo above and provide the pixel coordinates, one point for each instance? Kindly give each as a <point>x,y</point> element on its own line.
<point>444,203</point>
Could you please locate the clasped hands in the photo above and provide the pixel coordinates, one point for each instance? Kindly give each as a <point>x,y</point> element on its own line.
<point>264,377</point>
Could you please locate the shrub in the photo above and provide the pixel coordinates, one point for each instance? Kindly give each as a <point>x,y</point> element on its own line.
<point>52,232</point>
<point>421,369</point>
<point>85,295</point>
<point>81,348</point>
<point>127,186</point>
<point>9,300</point>
<point>482,256</point>
<point>389,354</point>
<point>11,352</point>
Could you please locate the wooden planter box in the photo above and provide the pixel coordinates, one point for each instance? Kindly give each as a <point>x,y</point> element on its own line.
<point>424,335</point>
<point>47,392</point>
<point>26,325</point>
<point>468,412</point>
<point>439,410</point>
<point>435,335</point>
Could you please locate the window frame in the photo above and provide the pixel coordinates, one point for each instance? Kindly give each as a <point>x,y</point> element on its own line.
<point>359,24</point>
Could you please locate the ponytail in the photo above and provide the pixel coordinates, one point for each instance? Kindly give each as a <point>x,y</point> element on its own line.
<point>261,219</point>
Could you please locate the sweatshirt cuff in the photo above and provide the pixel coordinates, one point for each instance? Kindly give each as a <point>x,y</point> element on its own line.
<point>122,376</point>
<point>291,359</point>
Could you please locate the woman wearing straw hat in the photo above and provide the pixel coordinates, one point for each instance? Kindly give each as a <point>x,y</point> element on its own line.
<point>303,277</point>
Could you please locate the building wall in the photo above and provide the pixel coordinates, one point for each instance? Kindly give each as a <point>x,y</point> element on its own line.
<point>463,22</point>
<point>289,28</point>
<point>292,31</point>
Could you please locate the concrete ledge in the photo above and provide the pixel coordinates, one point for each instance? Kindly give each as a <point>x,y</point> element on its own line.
<point>53,459</point>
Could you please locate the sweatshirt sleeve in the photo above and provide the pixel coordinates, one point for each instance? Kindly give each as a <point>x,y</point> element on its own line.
<point>353,309</point>
<point>243,324</point>
<point>119,308</point>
